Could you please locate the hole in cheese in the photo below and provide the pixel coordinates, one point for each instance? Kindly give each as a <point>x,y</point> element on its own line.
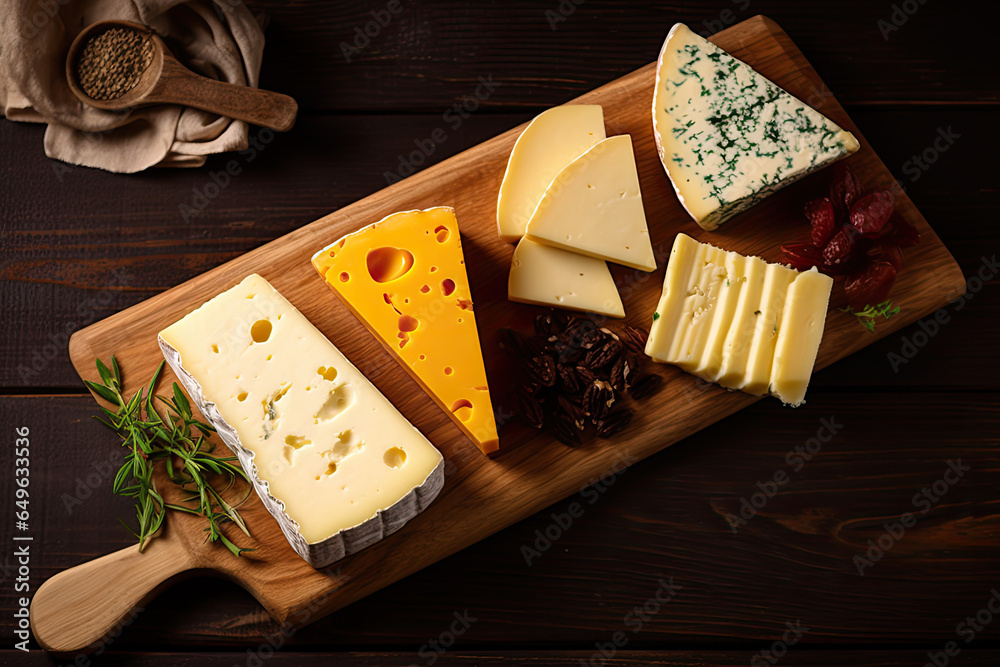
<point>344,277</point>
<point>260,331</point>
<point>242,397</point>
<point>328,373</point>
<point>447,370</point>
<point>425,289</point>
<point>442,233</point>
<point>447,286</point>
<point>338,400</point>
<point>215,348</point>
<point>408,323</point>
<point>297,441</point>
<point>387,263</point>
<point>462,409</point>
<point>394,458</point>
<point>330,469</point>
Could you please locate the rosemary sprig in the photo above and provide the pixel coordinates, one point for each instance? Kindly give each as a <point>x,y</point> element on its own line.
<point>869,313</point>
<point>173,436</point>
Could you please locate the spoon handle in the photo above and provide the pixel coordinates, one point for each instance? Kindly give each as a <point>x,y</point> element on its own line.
<point>253,105</point>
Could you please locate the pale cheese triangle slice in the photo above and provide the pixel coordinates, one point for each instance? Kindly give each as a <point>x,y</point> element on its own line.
<point>594,207</point>
<point>551,141</point>
<point>726,135</point>
<point>545,276</point>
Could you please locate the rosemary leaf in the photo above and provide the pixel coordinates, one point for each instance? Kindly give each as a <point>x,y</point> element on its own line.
<point>176,438</point>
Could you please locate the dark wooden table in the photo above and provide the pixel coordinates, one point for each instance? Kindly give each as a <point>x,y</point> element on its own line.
<point>78,245</point>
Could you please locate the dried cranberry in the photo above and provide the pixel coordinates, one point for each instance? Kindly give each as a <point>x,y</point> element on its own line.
<point>844,188</point>
<point>870,286</point>
<point>822,220</point>
<point>802,256</point>
<point>902,233</point>
<point>887,252</point>
<point>870,213</point>
<point>839,251</point>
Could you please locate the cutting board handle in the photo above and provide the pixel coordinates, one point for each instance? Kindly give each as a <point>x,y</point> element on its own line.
<point>81,608</point>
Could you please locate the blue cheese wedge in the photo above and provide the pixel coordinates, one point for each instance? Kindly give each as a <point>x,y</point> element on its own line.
<point>333,461</point>
<point>740,321</point>
<point>727,136</point>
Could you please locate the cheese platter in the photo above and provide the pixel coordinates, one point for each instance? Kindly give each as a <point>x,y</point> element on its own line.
<point>80,608</point>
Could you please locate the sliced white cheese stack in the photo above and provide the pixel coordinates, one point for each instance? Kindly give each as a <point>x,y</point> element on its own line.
<point>594,207</point>
<point>334,462</point>
<point>740,321</point>
<point>552,140</point>
<point>546,276</point>
<point>727,136</point>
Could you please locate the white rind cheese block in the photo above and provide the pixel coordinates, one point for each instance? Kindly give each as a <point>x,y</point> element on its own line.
<point>544,276</point>
<point>740,321</point>
<point>726,135</point>
<point>332,460</point>
<point>551,141</point>
<point>594,207</point>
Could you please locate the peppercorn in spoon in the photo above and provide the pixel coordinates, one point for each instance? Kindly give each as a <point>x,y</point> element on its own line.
<point>117,65</point>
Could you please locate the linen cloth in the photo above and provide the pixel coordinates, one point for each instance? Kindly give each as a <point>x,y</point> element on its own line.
<point>221,40</point>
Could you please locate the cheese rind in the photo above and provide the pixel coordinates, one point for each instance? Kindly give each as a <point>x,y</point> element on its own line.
<point>544,276</point>
<point>727,136</point>
<point>739,321</point>
<point>552,140</point>
<point>333,461</point>
<point>594,207</point>
<point>404,277</point>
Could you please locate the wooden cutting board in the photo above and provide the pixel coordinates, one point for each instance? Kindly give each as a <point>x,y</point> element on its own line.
<point>79,608</point>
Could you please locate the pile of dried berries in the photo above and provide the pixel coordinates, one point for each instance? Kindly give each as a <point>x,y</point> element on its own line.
<point>855,235</point>
<point>572,374</point>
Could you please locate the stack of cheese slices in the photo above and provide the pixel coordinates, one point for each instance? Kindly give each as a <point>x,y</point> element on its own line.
<point>570,199</point>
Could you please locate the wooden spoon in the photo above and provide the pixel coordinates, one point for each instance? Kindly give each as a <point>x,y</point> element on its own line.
<point>166,81</point>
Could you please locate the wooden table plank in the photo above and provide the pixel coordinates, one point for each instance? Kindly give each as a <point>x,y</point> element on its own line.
<point>109,241</point>
<point>664,517</point>
<point>460,657</point>
<point>432,53</point>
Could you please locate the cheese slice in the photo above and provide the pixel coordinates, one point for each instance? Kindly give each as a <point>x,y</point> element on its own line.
<point>757,377</point>
<point>404,277</point>
<point>594,207</point>
<point>739,321</point>
<point>546,276</point>
<point>799,336</point>
<point>727,136</point>
<point>333,461</point>
<point>551,141</point>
